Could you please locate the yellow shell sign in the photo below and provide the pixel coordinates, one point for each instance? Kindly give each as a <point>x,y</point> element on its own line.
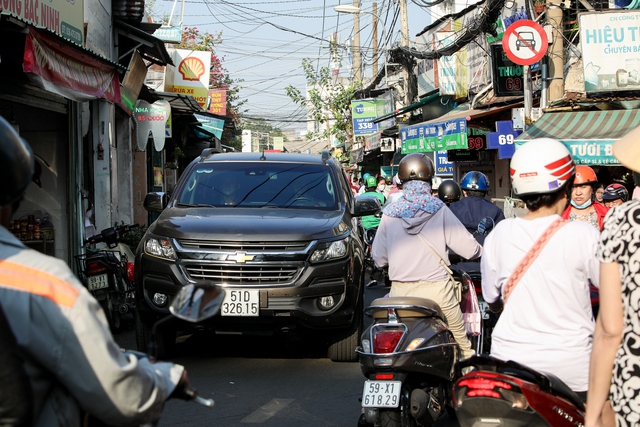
<point>191,69</point>
<point>191,75</point>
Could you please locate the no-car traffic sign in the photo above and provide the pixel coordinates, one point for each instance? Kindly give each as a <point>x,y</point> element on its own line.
<point>525,42</point>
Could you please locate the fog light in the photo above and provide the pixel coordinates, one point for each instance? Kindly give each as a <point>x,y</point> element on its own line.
<point>160,300</point>
<point>326,303</point>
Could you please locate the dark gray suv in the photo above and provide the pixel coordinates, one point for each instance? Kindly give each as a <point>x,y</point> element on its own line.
<point>278,231</point>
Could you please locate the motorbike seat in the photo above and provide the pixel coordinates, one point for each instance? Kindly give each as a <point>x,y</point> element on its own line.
<point>405,306</point>
<point>559,388</point>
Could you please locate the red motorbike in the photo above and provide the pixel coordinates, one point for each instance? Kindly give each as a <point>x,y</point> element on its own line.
<point>499,393</point>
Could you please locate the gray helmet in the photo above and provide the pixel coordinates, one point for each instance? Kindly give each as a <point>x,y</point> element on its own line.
<point>16,164</point>
<point>415,166</point>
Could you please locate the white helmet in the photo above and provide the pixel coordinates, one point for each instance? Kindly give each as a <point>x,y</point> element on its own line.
<point>540,166</point>
<point>435,183</point>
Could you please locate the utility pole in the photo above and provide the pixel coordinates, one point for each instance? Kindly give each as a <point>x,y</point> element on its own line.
<point>375,40</point>
<point>556,66</point>
<point>357,58</point>
<point>404,25</point>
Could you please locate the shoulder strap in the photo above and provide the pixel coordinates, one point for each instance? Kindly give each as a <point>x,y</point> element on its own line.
<point>438,257</point>
<point>530,257</point>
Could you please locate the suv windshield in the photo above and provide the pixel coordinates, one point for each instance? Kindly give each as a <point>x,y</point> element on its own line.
<point>268,185</point>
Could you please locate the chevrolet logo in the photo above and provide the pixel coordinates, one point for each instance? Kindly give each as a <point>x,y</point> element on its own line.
<point>240,257</point>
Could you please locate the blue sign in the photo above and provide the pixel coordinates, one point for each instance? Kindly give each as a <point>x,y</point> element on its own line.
<point>443,165</point>
<point>363,112</point>
<point>503,139</point>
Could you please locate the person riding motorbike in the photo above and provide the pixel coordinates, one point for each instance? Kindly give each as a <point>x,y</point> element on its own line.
<point>474,207</point>
<point>75,368</point>
<point>411,228</point>
<point>371,184</point>
<point>449,192</point>
<point>547,323</point>
<point>615,195</point>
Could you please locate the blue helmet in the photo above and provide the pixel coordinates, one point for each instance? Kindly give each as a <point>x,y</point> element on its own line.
<point>475,180</point>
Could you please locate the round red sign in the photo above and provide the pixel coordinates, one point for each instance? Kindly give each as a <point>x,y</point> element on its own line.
<point>525,42</point>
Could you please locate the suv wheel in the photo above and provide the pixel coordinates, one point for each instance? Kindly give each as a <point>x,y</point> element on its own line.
<point>343,343</point>
<point>162,343</point>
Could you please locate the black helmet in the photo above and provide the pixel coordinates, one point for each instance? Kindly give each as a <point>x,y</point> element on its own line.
<point>449,191</point>
<point>415,166</point>
<point>16,164</point>
<point>615,191</point>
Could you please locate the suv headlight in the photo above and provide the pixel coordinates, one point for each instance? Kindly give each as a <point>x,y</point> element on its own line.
<point>330,251</point>
<point>160,248</point>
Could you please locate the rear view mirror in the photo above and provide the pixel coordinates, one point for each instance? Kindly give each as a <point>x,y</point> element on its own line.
<point>367,205</point>
<point>197,302</point>
<point>155,202</point>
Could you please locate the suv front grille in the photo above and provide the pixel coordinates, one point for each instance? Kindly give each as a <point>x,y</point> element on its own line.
<point>244,246</point>
<point>242,274</point>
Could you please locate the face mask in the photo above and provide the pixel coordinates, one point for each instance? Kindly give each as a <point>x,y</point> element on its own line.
<point>381,187</point>
<point>582,206</point>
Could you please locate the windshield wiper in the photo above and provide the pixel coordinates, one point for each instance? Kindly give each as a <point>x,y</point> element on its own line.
<point>201,205</point>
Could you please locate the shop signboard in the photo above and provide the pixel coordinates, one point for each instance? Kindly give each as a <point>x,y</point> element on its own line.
<point>168,34</point>
<point>363,112</point>
<point>446,64</point>
<point>278,143</point>
<point>190,76</point>
<point>217,102</point>
<point>246,141</point>
<point>443,165</point>
<point>385,104</point>
<point>445,135</point>
<point>63,17</point>
<point>463,155</point>
<point>211,124</point>
<point>508,78</point>
<point>151,119</point>
<point>503,139</point>
<point>610,50</point>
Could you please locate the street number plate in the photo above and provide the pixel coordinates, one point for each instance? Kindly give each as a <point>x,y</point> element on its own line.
<point>100,281</point>
<point>381,394</point>
<point>241,302</point>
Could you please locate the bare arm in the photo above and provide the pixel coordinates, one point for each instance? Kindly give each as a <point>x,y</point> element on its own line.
<point>606,339</point>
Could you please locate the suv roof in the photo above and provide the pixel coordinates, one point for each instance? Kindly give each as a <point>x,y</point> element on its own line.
<point>269,157</point>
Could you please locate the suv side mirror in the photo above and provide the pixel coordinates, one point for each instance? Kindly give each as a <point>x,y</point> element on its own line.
<point>367,205</point>
<point>155,202</point>
<point>197,302</point>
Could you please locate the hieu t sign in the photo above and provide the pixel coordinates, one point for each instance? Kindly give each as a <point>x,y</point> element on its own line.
<point>525,42</point>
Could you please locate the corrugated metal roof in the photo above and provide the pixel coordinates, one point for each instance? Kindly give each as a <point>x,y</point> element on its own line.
<point>128,10</point>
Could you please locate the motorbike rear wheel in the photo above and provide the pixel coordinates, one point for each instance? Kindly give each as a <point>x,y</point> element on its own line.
<point>113,316</point>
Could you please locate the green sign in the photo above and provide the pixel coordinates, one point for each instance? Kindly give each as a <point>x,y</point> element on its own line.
<point>169,34</point>
<point>446,135</point>
<point>363,112</point>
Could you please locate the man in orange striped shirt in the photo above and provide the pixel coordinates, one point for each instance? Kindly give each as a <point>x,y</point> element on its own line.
<point>74,366</point>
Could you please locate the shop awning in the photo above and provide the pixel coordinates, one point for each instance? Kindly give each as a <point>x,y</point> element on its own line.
<point>424,101</point>
<point>150,47</point>
<point>181,104</point>
<point>589,135</point>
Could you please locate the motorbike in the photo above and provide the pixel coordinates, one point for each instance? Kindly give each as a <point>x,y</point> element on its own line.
<point>377,274</point>
<point>408,356</point>
<point>107,272</point>
<point>499,393</point>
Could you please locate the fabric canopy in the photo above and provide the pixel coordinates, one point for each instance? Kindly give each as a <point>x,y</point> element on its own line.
<point>589,135</point>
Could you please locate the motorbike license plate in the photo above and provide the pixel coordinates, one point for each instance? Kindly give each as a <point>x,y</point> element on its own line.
<point>484,309</point>
<point>381,394</point>
<point>240,302</point>
<point>100,281</point>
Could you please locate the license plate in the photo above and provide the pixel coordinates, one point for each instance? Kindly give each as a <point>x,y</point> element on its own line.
<point>100,281</point>
<point>240,302</point>
<point>381,394</point>
<point>484,309</point>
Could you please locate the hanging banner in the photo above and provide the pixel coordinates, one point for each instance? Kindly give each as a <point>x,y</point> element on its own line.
<point>67,71</point>
<point>385,105</point>
<point>446,64</point>
<point>447,135</point>
<point>363,112</point>
<point>610,50</point>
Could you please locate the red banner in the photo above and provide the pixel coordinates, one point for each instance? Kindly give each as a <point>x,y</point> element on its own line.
<point>217,102</point>
<point>69,72</point>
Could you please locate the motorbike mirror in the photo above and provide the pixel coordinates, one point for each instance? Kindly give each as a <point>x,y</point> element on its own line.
<point>197,302</point>
<point>485,226</point>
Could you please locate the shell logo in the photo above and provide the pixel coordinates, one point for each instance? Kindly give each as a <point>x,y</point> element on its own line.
<point>191,68</point>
